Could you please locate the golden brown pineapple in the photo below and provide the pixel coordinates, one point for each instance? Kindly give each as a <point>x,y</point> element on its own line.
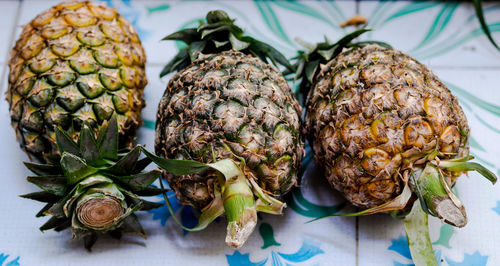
<point>375,113</point>
<point>390,135</point>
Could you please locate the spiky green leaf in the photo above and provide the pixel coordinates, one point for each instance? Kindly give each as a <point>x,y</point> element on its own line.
<point>108,139</point>
<point>131,225</point>
<point>127,163</point>
<point>57,209</point>
<point>180,60</point>
<point>363,43</point>
<point>397,203</point>
<point>75,169</point>
<point>150,191</point>
<point>208,29</point>
<point>311,69</point>
<point>195,49</point>
<point>186,35</point>
<point>89,241</point>
<point>344,41</point>
<point>237,44</point>
<point>149,205</point>
<point>53,222</point>
<point>219,44</point>
<point>88,145</point>
<point>141,165</point>
<point>459,166</point>
<point>64,225</point>
<point>65,143</point>
<point>327,54</point>
<point>140,181</point>
<point>43,211</point>
<point>177,167</point>
<point>53,184</point>
<point>42,196</point>
<point>274,55</point>
<point>43,169</point>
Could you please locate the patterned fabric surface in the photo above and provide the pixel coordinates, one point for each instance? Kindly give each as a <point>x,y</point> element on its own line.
<point>446,36</point>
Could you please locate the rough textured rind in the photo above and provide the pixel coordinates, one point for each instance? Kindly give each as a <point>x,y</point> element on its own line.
<point>373,113</point>
<point>230,105</point>
<point>75,63</point>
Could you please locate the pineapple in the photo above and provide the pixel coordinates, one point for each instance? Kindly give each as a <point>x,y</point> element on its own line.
<point>386,130</point>
<point>77,73</point>
<point>76,63</point>
<point>233,109</point>
<point>375,113</point>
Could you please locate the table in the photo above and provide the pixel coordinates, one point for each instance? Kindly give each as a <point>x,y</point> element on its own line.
<point>446,36</point>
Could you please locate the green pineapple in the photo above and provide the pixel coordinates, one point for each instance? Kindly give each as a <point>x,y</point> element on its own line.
<point>74,64</point>
<point>75,94</point>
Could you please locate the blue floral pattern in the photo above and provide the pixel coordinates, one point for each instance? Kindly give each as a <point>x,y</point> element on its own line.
<point>309,249</point>
<point>475,259</point>
<point>5,261</point>
<point>497,208</point>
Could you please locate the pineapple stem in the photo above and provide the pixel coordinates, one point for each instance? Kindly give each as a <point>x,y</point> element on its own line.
<point>238,197</point>
<point>99,211</point>
<point>241,214</point>
<point>435,196</point>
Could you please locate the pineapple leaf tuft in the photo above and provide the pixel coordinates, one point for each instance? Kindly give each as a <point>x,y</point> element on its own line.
<point>307,63</point>
<point>216,34</point>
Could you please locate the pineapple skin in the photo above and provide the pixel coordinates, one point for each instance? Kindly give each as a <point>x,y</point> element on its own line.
<point>76,63</point>
<point>373,114</point>
<point>230,105</point>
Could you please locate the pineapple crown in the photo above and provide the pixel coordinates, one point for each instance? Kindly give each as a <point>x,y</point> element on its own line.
<point>307,63</point>
<point>94,188</point>
<point>217,34</point>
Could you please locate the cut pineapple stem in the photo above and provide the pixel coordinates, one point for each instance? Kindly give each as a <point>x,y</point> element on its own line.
<point>435,194</point>
<point>436,197</point>
<point>99,212</point>
<point>239,197</point>
<point>239,205</point>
